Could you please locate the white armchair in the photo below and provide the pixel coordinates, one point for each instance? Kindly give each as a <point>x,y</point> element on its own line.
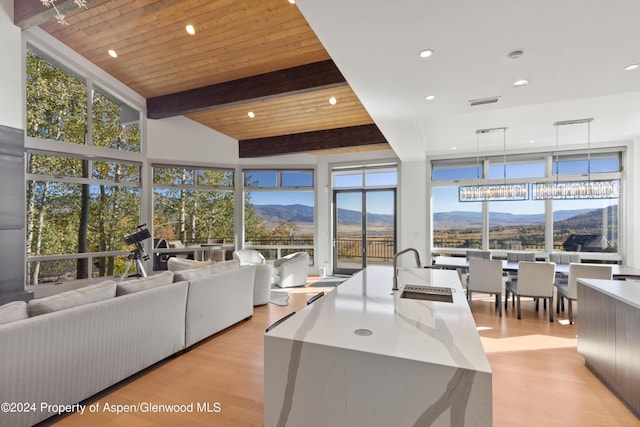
<point>291,270</point>
<point>248,257</point>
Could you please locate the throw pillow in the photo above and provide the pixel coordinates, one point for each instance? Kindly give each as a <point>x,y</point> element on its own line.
<point>86,295</point>
<point>143,283</point>
<point>16,310</point>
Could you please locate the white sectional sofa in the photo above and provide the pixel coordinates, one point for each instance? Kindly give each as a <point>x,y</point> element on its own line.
<point>63,349</point>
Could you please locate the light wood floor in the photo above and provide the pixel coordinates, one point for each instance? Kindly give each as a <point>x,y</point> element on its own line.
<point>539,379</point>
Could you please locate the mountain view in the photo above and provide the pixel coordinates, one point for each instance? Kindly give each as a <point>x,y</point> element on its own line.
<point>463,219</point>
<point>302,214</point>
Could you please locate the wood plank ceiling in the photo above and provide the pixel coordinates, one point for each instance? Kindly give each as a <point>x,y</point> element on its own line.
<point>244,57</point>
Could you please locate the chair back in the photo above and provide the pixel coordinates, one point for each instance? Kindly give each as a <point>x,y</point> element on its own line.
<point>535,279</point>
<point>248,257</point>
<point>474,253</point>
<point>564,258</point>
<point>521,256</point>
<point>485,275</point>
<point>586,271</point>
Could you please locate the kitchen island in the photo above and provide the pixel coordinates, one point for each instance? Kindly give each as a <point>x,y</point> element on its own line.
<point>364,356</point>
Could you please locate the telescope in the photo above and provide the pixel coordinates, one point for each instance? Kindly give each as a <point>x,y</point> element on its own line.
<point>138,254</point>
<point>138,236</point>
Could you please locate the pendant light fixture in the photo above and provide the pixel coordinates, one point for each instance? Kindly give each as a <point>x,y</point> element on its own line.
<point>589,189</point>
<point>493,192</point>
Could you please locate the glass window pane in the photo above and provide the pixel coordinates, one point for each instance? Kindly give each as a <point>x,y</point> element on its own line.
<point>115,124</point>
<point>455,173</point>
<point>193,216</point>
<point>585,225</point>
<point>380,178</point>
<point>50,165</point>
<point>581,166</point>
<point>279,217</point>
<point>215,178</point>
<point>517,170</point>
<point>260,179</point>
<point>172,176</point>
<point>455,224</point>
<point>116,171</point>
<point>297,179</point>
<point>516,225</point>
<point>347,180</point>
<point>56,102</point>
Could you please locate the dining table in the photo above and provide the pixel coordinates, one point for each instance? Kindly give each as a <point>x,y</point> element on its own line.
<point>620,271</point>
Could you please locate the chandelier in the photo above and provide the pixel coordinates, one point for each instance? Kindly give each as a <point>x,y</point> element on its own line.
<point>59,16</point>
<point>493,192</point>
<point>599,189</point>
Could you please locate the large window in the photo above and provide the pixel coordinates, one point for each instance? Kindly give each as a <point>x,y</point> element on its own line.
<point>193,205</point>
<point>578,225</point>
<point>279,211</point>
<point>58,101</point>
<point>83,196</point>
<point>78,205</point>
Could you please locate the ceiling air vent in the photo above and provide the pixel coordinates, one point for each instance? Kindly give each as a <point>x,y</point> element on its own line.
<point>483,101</point>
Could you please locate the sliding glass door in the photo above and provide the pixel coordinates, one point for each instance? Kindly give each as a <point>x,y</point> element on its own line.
<point>364,229</point>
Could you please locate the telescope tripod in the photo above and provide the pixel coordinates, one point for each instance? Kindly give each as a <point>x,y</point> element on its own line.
<point>137,255</point>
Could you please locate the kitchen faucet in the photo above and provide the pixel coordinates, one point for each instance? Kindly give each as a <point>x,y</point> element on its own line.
<point>395,265</point>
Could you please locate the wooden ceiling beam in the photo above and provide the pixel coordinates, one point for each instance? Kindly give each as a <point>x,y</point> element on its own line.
<point>30,13</point>
<point>311,141</point>
<point>291,81</point>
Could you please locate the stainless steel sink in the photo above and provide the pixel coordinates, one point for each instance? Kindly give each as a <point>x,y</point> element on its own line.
<point>428,293</point>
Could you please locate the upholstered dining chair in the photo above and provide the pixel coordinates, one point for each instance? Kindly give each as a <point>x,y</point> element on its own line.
<point>535,279</point>
<point>569,290</point>
<point>476,253</point>
<point>485,275</point>
<point>517,257</point>
<point>563,258</point>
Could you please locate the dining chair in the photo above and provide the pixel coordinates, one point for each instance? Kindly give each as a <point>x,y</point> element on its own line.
<point>535,279</point>
<point>485,275</point>
<point>563,258</point>
<point>517,257</point>
<point>569,290</point>
<point>476,253</point>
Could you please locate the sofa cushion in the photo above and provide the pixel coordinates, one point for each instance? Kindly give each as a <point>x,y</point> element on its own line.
<point>223,266</point>
<point>196,273</point>
<point>13,311</point>
<point>86,295</point>
<point>143,283</point>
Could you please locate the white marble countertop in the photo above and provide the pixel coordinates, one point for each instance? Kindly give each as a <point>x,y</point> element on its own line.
<point>627,291</point>
<point>440,333</point>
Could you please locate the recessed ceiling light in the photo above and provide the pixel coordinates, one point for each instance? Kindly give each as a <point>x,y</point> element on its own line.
<point>532,141</point>
<point>631,67</point>
<point>251,114</point>
<point>454,148</point>
<point>112,53</point>
<point>520,83</point>
<point>333,100</point>
<point>430,97</point>
<point>426,53</point>
<point>190,29</point>
<point>627,133</point>
<point>292,1</point>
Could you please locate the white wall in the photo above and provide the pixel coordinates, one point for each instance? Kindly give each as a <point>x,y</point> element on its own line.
<point>179,139</point>
<point>11,100</point>
<point>413,215</point>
